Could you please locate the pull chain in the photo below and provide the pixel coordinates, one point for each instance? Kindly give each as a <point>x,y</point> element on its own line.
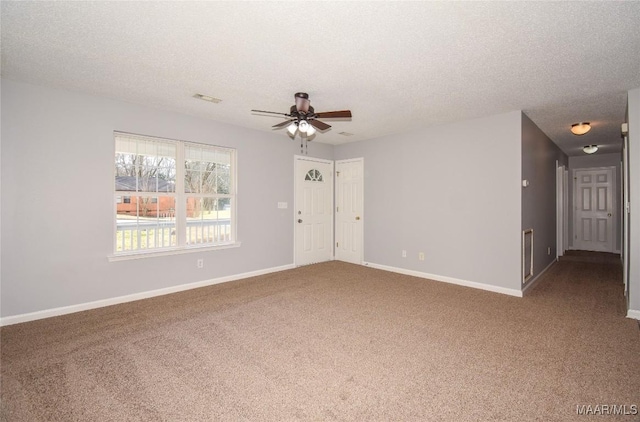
<point>304,145</point>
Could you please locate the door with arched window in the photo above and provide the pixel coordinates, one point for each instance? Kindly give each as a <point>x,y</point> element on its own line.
<point>313,213</point>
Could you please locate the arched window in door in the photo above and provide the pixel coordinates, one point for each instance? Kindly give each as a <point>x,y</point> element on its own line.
<point>313,175</point>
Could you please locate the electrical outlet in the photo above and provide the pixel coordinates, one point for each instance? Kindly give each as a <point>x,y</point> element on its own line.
<point>548,250</point>
<point>404,253</point>
<point>200,263</point>
<point>421,256</point>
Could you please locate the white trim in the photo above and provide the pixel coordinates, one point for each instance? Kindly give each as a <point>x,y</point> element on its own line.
<point>445,279</point>
<point>535,279</point>
<point>48,313</point>
<point>526,276</point>
<point>565,216</point>
<point>624,238</point>
<point>632,313</point>
<point>314,159</point>
<point>189,249</point>
<point>560,205</point>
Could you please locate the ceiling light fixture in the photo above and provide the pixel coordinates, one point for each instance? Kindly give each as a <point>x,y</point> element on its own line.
<point>303,126</point>
<point>590,149</point>
<point>311,130</point>
<point>580,128</point>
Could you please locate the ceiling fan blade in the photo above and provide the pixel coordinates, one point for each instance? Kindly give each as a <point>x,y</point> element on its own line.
<point>283,124</point>
<point>319,125</point>
<point>271,112</point>
<point>334,114</point>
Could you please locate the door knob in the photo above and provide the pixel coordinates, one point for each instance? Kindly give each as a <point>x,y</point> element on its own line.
<point>358,218</point>
<point>609,214</point>
<point>299,220</point>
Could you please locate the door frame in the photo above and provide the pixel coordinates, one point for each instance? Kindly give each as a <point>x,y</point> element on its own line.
<point>335,227</point>
<point>297,158</point>
<point>613,203</point>
<point>561,204</point>
<point>625,235</point>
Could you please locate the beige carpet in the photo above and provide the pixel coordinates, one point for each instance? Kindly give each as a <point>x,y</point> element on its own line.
<point>334,341</point>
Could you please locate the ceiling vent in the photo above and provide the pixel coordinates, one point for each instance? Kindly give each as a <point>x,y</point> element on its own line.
<point>207,98</point>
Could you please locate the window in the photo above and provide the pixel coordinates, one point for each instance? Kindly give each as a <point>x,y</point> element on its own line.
<point>172,195</point>
<point>313,175</point>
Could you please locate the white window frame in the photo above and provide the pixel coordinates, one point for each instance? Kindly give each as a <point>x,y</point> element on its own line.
<point>180,196</point>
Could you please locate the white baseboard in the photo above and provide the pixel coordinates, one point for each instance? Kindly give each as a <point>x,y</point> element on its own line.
<point>634,314</point>
<point>47,313</point>
<point>451,280</point>
<point>534,280</point>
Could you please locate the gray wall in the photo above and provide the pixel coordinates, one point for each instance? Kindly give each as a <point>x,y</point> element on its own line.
<point>452,192</point>
<point>634,196</point>
<point>593,161</point>
<point>57,181</point>
<point>539,156</point>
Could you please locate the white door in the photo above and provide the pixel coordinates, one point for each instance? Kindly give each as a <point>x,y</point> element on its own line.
<point>349,207</point>
<point>594,209</point>
<point>313,211</point>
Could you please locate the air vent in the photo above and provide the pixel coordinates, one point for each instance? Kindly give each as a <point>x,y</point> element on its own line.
<point>345,133</point>
<point>207,98</point>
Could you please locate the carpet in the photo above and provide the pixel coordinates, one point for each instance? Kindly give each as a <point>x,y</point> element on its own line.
<point>334,341</point>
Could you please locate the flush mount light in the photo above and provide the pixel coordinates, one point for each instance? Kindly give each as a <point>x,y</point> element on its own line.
<point>590,149</point>
<point>580,128</point>
<point>207,98</point>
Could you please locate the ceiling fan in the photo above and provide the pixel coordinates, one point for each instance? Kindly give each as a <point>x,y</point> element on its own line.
<point>302,116</point>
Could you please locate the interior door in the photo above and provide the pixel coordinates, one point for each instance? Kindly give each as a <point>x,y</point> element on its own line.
<point>349,207</point>
<point>313,210</point>
<point>594,209</point>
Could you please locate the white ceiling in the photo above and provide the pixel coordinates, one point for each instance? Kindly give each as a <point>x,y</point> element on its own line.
<point>396,65</point>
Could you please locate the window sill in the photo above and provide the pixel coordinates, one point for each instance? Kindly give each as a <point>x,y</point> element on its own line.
<point>169,252</point>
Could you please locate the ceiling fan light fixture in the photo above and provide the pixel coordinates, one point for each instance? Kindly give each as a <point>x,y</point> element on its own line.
<point>303,118</point>
<point>304,126</point>
<point>311,130</point>
<point>590,149</point>
<point>580,128</point>
<point>302,102</point>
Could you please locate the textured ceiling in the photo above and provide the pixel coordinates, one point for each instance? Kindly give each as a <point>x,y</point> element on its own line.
<point>396,65</point>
